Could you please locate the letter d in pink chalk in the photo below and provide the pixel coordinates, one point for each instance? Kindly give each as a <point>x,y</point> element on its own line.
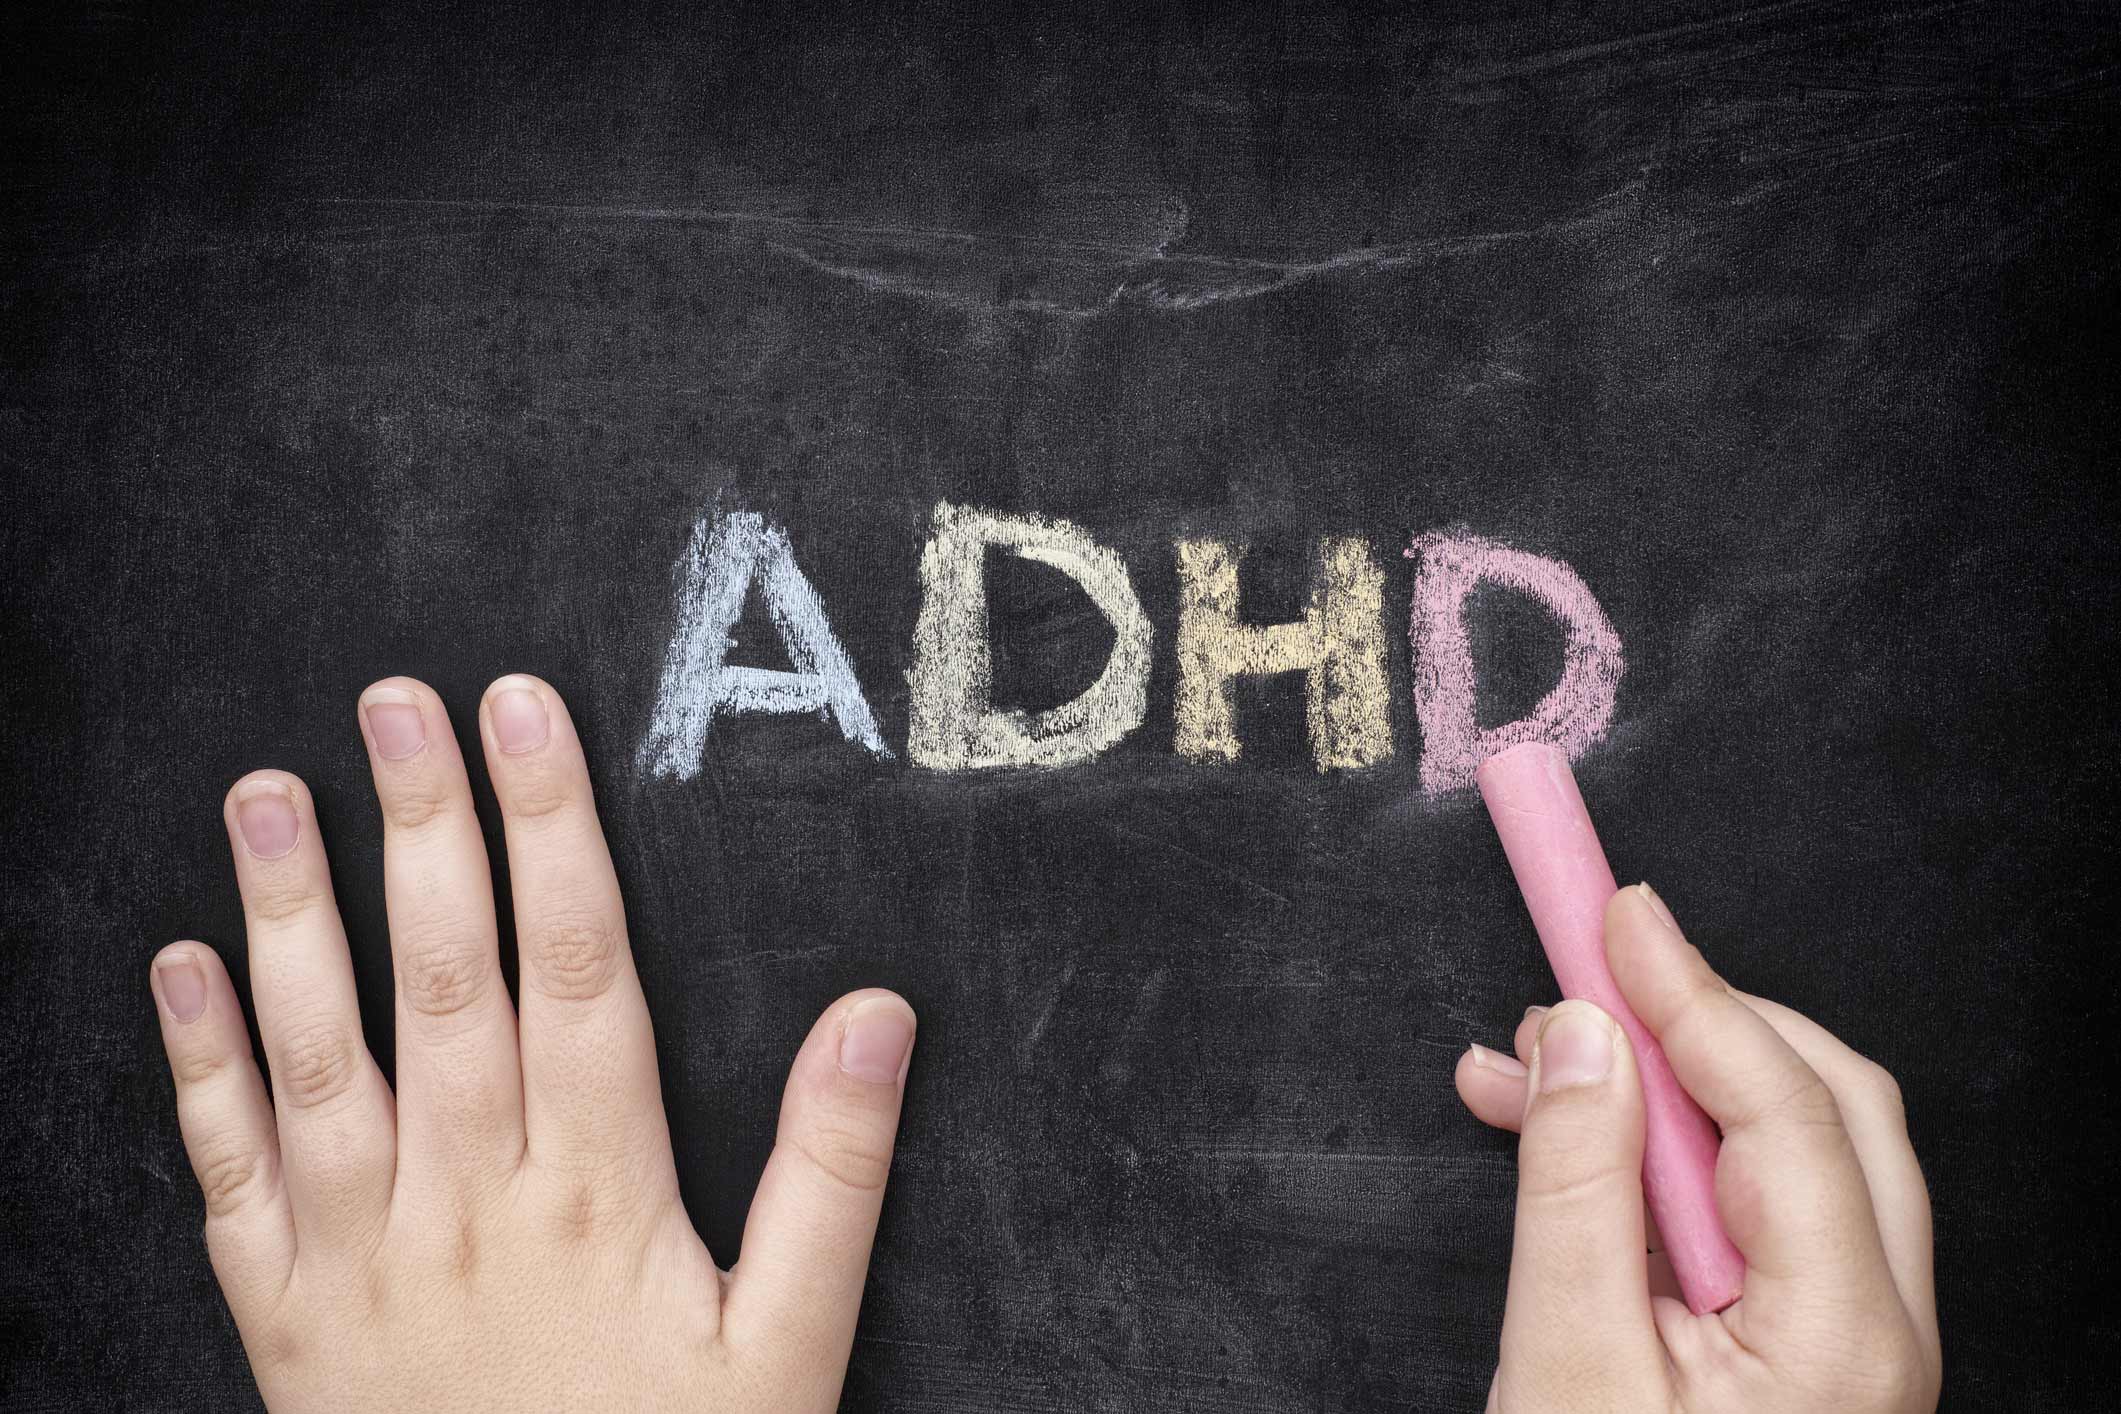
<point>1571,717</point>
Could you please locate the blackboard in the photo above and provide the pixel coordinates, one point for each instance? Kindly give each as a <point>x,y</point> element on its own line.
<point>349,340</point>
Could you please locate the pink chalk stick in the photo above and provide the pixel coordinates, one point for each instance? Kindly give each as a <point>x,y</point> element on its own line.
<point>1566,882</point>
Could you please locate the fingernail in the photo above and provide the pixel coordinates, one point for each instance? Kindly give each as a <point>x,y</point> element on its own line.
<point>1534,1011</point>
<point>875,1044</point>
<point>183,987</point>
<point>398,729</point>
<point>1497,1061</point>
<point>519,722</point>
<point>1575,1048</point>
<point>266,819</point>
<point>1664,915</point>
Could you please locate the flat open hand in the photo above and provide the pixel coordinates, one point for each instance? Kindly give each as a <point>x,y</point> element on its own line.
<point>505,1231</point>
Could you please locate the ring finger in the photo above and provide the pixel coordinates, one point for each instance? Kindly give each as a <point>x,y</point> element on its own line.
<point>460,1091</point>
<point>338,1133</point>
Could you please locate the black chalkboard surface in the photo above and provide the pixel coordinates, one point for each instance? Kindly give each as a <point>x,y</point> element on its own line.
<point>343,341</point>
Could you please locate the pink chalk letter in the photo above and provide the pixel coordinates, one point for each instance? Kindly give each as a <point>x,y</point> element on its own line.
<point>1562,872</point>
<point>1572,716</point>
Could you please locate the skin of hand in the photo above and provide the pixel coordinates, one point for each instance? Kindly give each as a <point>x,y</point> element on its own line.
<point>1817,1185</point>
<point>505,1231</point>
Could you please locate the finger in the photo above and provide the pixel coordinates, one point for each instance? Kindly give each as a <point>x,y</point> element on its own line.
<point>1527,1034</point>
<point>590,1093</point>
<point>798,1286</point>
<point>1495,1088</point>
<point>1871,1108</point>
<point>227,1125</point>
<point>338,1130</point>
<point>460,1091</point>
<point>1788,1185</point>
<point>1579,1302</point>
<point>1492,1086</point>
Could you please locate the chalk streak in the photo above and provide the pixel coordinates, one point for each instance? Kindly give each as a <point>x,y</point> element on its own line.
<point>1176,282</point>
<point>1201,860</point>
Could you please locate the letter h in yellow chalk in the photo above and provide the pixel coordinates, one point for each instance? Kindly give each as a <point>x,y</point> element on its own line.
<point>1338,644</point>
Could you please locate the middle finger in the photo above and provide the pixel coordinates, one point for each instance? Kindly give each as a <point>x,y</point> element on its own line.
<point>1877,1126</point>
<point>590,1091</point>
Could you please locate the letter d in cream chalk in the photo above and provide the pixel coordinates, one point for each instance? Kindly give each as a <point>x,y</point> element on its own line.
<point>1566,882</point>
<point>954,724</point>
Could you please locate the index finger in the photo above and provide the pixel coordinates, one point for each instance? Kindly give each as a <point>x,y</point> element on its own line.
<point>1788,1184</point>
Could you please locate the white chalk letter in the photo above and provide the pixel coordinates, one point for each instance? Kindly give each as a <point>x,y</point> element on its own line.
<point>726,554</point>
<point>954,724</point>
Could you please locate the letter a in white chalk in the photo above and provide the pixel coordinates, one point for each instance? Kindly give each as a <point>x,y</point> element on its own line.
<point>954,724</point>
<point>726,555</point>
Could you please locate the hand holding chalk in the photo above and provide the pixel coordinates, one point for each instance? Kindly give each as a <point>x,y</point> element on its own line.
<point>1553,850</point>
<point>1819,1185</point>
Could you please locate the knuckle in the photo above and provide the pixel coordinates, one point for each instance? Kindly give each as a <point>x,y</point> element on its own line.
<point>463,1251</point>
<point>580,1215</point>
<point>317,1065</point>
<point>576,957</point>
<point>410,806</point>
<point>282,897</point>
<point>230,1174</point>
<point>592,1199</point>
<point>539,792</point>
<point>195,1065</point>
<point>1573,1182</point>
<point>1883,1091</point>
<point>443,976</point>
<point>849,1156</point>
<point>1724,1364</point>
<point>1698,979</point>
<point>1803,1100</point>
<point>1570,1158</point>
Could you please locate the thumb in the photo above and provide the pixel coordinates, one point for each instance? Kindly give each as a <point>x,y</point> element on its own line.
<point>1577,1331</point>
<point>798,1283</point>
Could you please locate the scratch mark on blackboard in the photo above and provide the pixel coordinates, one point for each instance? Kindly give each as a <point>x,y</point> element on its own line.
<point>1126,272</point>
<point>1045,1016</point>
<point>1837,23</point>
<point>768,955</point>
<point>1562,58</point>
<point>1202,860</point>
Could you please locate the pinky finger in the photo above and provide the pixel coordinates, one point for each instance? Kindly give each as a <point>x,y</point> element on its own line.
<point>227,1123</point>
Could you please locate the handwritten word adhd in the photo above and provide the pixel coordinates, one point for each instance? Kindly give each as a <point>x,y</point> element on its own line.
<point>1338,644</point>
